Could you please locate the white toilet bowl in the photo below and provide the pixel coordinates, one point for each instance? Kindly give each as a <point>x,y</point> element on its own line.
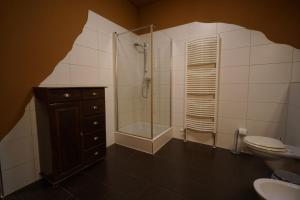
<point>271,189</point>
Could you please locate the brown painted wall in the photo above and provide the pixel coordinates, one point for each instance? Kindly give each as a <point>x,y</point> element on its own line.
<point>278,19</point>
<point>35,35</point>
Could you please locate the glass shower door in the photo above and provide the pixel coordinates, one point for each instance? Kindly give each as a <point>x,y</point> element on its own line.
<point>134,80</point>
<point>162,48</point>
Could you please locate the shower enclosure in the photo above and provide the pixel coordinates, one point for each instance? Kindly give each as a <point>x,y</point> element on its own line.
<point>143,85</point>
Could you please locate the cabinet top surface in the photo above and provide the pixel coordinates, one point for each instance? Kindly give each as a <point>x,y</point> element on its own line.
<point>70,87</point>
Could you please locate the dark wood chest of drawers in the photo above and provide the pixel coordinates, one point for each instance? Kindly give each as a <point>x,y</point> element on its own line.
<point>71,129</point>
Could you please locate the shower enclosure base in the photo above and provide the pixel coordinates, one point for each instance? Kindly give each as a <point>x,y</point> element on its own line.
<point>143,129</point>
<point>143,144</point>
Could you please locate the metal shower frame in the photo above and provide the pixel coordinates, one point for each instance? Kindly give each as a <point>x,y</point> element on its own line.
<point>115,71</point>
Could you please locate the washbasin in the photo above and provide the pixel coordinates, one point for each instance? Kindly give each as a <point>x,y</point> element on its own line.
<point>271,189</point>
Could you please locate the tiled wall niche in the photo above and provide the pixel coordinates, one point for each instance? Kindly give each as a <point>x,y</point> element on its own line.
<point>255,80</point>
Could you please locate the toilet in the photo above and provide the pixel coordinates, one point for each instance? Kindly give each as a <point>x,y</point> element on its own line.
<point>270,147</point>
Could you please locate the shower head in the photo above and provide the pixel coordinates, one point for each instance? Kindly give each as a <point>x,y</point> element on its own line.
<point>138,45</point>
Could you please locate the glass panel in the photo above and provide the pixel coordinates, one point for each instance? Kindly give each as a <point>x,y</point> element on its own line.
<point>134,83</point>
<point>161,82</point>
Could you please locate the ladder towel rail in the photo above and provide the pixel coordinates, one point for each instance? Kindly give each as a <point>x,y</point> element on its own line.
<point>201,86</point>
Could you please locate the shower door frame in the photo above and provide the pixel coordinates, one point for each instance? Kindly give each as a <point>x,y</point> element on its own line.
<point>115,71</point>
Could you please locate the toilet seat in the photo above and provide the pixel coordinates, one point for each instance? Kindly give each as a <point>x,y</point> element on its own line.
<point>257,147</point>
<point>265,142</point>
<point>272,147</point>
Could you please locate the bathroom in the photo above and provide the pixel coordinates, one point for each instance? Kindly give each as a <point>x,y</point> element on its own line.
<point>137,53</point>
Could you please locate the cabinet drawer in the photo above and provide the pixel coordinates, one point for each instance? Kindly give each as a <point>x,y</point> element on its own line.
<point>94,154</point>
<point>95,123</point>
<point>93,139</point>
<point>90,107</point>
<point>97,93</point>
<point>61,95</point>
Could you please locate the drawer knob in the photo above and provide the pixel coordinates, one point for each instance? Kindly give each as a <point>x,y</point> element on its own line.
<point>94,93</point>
<point>96,138</point>
<point>95,107</point>
<point>95,123</point>
<point>67,95</point>
<point>96,153</point>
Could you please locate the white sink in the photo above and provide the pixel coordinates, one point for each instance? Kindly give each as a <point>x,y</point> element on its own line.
<point>271,189</point>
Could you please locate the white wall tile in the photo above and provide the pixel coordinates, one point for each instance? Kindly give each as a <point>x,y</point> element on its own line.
<point>272,53</point>
<point>105,42</point>
<point>271,73</point>
<point>203,29</point>
<point>179,32</point>
<point>235,57</point>
<point>237,74</point>
<point>258,38</point>
<point>21,130</point>
<point>109,93</point>
<point>18,177</point>
<point>177,119</point>
<point>177,105</point>
<point>179,62</point>
<point>88,38</point>
<point>230,125</point>
<point>177,133</point>
<point>269,112</point>
<point>296,72</point>
<point>164,78</point>
<point>59,76</point>
<point>296,55</point>
<point>16,152</point>
<point>178,77</point>
<point>93,21</point>
<point>178,91</point>
<point>294,94</point>
<point>235,39</point>
<point>229,109</point>
<point>160,37</point>
<point>84,75</point>
<point>233,92</point>
<point>178,48</point>
<point>225,141</point>
<point>105,60</point>
<point>293,126</point>
<point>106,77</point>
<point>267,129</point>
<point>84,56</point>
<point>223,27</point>
<point>276,93</point>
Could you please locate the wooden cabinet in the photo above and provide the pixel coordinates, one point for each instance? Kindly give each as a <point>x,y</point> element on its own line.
<point>71,129</point>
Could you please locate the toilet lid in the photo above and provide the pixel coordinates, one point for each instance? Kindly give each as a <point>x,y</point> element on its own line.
<point>267,142</point>
<point>261,148</point>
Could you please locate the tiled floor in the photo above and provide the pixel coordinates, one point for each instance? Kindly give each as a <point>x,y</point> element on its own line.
<point>178,171</point>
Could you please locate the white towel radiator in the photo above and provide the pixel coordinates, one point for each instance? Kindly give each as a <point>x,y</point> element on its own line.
<point>201,86</point>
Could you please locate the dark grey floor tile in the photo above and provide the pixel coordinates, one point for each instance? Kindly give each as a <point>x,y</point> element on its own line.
<point>178,171</point>
<point>40,190</point>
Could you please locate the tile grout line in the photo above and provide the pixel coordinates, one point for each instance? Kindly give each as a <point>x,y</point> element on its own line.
<point>248,81</point>
<point>33,140</point>
<point>288,97</point>
<point>67,191</point>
